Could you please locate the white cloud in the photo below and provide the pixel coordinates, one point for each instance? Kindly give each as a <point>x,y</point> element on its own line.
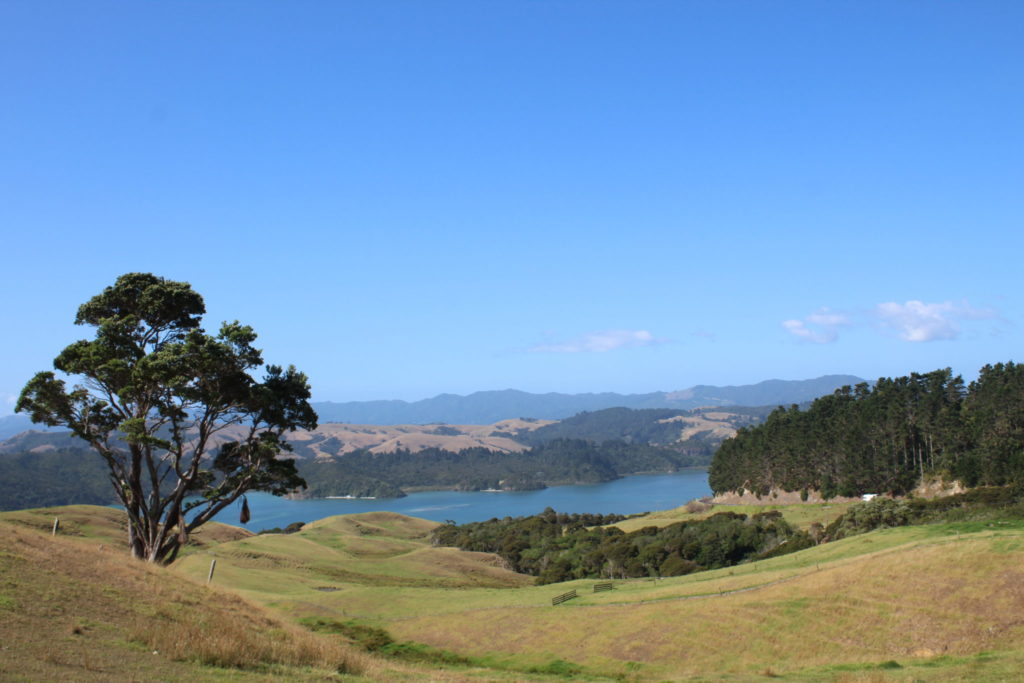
<point>916,321</point>
<point>820,327</point>
<point>599,342</point>
<point>827,318</point>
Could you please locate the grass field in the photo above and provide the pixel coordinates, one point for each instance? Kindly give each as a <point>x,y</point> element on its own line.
<point>899,597</point>
<point>802,515</point>
<point>892,595</point>
<point>935,602</point>
<point>74,607</point>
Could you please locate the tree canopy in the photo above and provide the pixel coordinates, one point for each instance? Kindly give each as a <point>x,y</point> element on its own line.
<point>184,428</point>
<point>885,438</point>
<point>558,547</point>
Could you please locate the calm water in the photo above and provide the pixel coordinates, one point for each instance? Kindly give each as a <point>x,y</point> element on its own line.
<point>628,495</point>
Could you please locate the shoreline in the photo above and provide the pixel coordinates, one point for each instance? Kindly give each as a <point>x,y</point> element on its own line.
<point>552,484</point>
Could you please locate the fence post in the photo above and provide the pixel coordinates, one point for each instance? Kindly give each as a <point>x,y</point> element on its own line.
<point>56,525</point>
<point>213,565</point>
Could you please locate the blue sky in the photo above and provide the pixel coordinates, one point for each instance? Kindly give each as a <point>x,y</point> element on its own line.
<point>410,198</point>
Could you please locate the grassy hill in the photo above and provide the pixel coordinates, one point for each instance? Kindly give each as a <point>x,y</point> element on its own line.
<point>919,599</point>
<point>73,607</point>
<point>933,602</point>
<point>930,602</point>
<point>801,516</point>
<point>914,601</point>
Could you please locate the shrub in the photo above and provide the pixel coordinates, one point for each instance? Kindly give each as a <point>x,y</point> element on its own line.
<point>674,565</point>
<point>877,514</point>
<point>696,507</point>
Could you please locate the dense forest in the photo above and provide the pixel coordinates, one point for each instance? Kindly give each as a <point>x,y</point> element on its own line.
<point>559,547</point>
<point>60,477</point>
<point>651,425</point>
<point>885,438</point>
<point>561,461</point>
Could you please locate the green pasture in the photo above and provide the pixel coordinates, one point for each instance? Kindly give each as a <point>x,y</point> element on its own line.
<point>800,515</point>
<point>931,602</point>
<point>770,616</point>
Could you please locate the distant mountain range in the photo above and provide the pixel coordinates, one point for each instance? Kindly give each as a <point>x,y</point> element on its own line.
<point>487,407</point>
<point>582,438</point>
<point>18,423</point>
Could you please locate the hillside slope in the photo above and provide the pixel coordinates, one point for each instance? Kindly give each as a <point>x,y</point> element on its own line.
<point>937,602</point>
<point>921,601</point>
<point>74,608</point>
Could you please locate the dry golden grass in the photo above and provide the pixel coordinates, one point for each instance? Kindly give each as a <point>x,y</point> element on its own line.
<point>109,526</point>
<point>716,423</point>
<point>953,598</point>
<point>917,603</point>
<point>379,549</point>
<point>71,611</point>
<point>388,438</point>
<point>380,524</point>
<point>798,514</point>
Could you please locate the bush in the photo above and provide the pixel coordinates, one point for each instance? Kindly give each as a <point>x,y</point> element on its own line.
<point>879,513</point>
<point>674,565</point>
<point>556,667</point>
<point>696,507</point>
<point>290,529</point>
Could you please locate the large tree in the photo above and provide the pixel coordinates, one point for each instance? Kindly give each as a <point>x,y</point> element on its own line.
<point>183,426</point>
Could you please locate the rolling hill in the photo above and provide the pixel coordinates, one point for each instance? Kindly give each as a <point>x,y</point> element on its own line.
<point>938,601</point>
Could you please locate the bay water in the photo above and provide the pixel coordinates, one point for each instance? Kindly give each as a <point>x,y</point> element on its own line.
<point>629,495</point>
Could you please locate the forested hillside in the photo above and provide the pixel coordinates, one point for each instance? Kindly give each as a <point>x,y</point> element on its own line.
<point>77,475</point>
<point>562,461</point>
<point>697,432</point>
<point>58,477</point>
<point>380,461</point>
<point>55,468</point>
<point>885,438</point>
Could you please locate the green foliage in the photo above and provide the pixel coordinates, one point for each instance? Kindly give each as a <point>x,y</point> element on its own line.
<point>337,478</point>
<point>559,547</point>
<point>886,438</point>
<point>562,461</point>
<point>879,513</point>
<point>418,652</point>
<point>370,638</point>
<point>557,667</point>
<point>61,477</point>
<point>445,430</point>
<point>292,528</point>
<point>979,504</point>
<point>154,391</point>
<point>643,426</point>
<point>374,639</point>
